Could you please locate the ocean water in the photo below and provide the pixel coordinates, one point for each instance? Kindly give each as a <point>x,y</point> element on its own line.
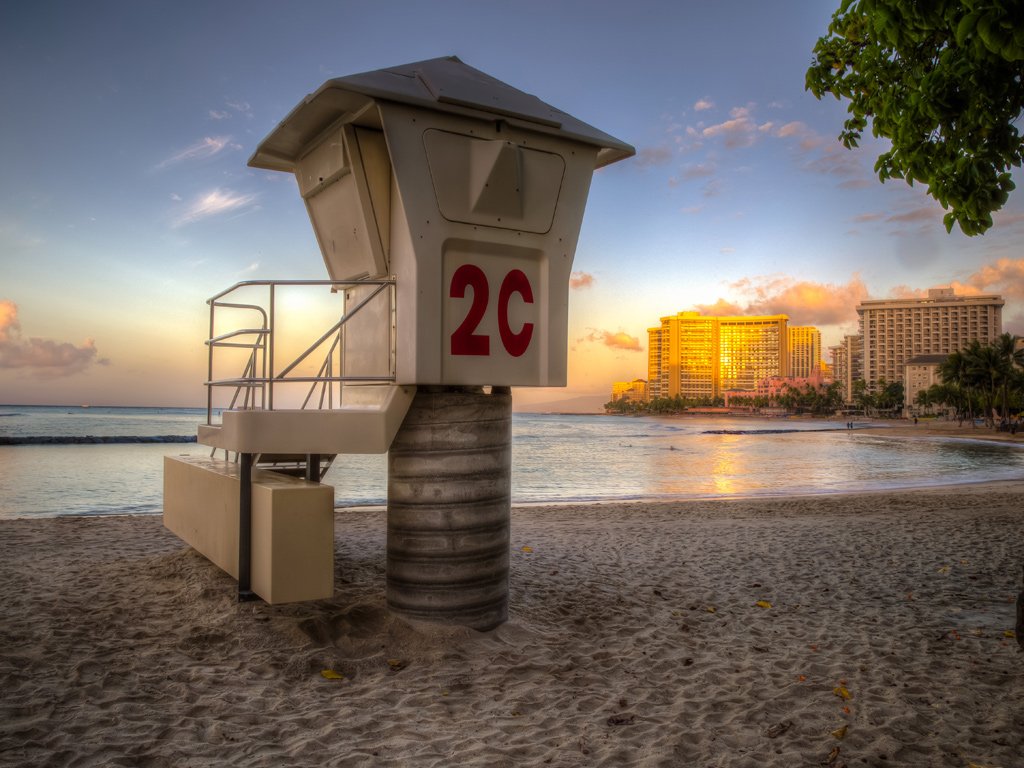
<point>96,461</point>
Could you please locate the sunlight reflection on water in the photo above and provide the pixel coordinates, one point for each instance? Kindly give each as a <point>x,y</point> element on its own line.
<point>555,459</point>
<point>581,458</point>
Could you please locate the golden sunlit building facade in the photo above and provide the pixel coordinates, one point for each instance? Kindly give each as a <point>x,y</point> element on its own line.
<point>634,391</point>
<point>653,363</point>
<point>699,357</point>
<point>804,350</point>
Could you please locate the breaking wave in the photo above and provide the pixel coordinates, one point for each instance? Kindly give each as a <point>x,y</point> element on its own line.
<point>94,439</point>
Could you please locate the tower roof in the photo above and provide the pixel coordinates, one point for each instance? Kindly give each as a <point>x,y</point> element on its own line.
<point>444,84</point>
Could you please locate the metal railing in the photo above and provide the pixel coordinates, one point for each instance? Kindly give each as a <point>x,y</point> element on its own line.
<point>254,388</point>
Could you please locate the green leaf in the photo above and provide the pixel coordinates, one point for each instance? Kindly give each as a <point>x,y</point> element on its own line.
<point>966,27</point>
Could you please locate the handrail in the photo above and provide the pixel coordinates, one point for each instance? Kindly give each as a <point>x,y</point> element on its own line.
<point>250,283</point>
<point>260,375</point>
<point>232,334</point>
<point>254,381</point>
<point>330,332</point>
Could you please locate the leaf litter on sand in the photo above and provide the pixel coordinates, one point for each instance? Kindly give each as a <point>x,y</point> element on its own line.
<point>833,756</point>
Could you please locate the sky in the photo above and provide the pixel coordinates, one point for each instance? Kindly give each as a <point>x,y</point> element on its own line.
<point>126,201</point>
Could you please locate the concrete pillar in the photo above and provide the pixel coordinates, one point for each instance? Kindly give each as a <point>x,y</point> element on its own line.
<point>449,506</point>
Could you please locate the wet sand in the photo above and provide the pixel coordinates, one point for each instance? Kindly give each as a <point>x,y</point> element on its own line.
<point>941,428</point>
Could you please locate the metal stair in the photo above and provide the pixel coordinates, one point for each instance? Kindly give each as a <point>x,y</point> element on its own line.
<point>350,405</point>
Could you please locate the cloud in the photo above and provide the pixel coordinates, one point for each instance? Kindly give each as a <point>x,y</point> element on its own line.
<point>242,107</point>
<point>202,149</point>
<point>1004,276</point>
<point>239,107</point>
<point>650,156</point>
<point>615,340</point>
<point>12,236</point>
<point>43,356</point>
<point>825,156</point>
<point>835,160</point>
<point>830,304</point>
<point>927,213</point>
<point>713,188</point>
<point>809,302</point>
<point>806,302</point>
<point>701,170</point>
<point>213,203</point>
<point>9,324</point>
<point>703,104</point>
<point>1005,219</point>
<point>791,129</point>
<point>857,183</point>
<point>720,308</point>
<point>578,280</point>
<point>741,131</point>
<point>906,292</point>
<point>808,139</point>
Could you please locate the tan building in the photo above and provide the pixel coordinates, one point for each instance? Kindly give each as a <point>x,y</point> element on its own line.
<point>804,350</point>
<point>699,357</point>
<point>920,373</point>
<point>847,365</point>
<point>895,330</point>
<point>634,391</point>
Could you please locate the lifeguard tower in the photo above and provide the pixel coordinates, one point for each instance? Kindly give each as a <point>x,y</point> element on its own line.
<point>447,206</point>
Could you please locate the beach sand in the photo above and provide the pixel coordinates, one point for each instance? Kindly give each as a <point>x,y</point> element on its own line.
<point>940,428</point>
<point>636,638</point>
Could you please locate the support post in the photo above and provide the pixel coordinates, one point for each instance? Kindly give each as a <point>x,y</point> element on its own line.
<point>449,507</point>
<point>313,467</point>
<point>245,592</point>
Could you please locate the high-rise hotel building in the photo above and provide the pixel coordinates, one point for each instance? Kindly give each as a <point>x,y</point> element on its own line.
<point>804,351</point>
<point>894,330</point>
<point>848,364</point>
<point>699,357</point>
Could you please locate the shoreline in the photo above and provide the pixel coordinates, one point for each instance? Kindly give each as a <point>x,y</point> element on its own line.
<point>647,501</point>
<point>926,427</point>
<point>637,637</point>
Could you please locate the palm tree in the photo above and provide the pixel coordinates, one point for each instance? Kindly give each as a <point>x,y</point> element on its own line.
<point>862,398</point>
<point>1005,346</point>
<point>954,373</point>
<point>987,369</point>
<point>923,401</point>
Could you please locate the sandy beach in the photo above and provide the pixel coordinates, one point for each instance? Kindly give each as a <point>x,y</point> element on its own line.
<point>870,629</point>
<point>941,428</point>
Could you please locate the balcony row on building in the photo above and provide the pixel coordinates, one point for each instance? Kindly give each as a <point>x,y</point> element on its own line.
<point>905,340</point>
<point>699,357</point>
